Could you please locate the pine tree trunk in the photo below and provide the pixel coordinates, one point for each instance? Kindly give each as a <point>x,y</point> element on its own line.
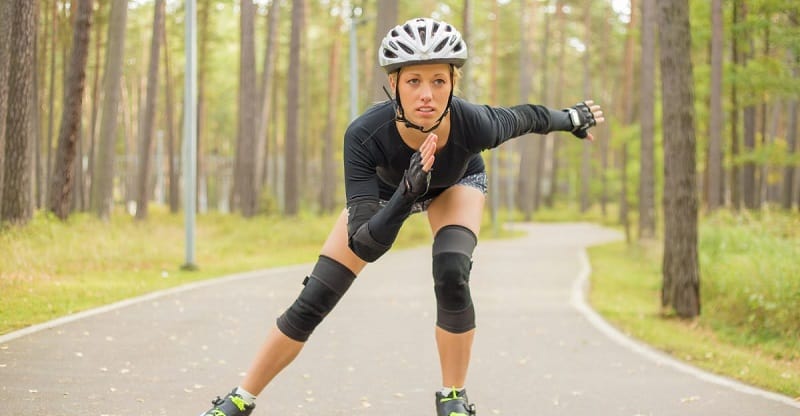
<point>17,203</point>
<point>291,180</point>
<point>328,189</point>
<point>586,148</point>
<point>95,107</point>
<point>148,123</point>
<point>791,138</point>
<point>63,181</point>
<point>626,110</point>
<point>103,183</point>
<point>735,175</point>
<point>749,115</point>
<point>681,275</point>
<point>715,156</point>
<point>265,100</point>
<point>6,9</point>
<point>647,198</point>
<point>526,143</point>
<point>387,19</point>
<point>466,34</point>
<point>51,100</point>
<point>172,142</point>
<point>553,139</point>
<point>541,148</point>
<point>244,177</point>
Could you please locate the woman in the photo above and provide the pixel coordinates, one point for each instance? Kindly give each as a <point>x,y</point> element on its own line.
<point>417,152</point>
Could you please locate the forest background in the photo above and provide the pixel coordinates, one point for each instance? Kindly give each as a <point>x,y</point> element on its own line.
<point>91,133</point>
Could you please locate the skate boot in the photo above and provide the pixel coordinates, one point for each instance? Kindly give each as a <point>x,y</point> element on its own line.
<point>231,405</point>
<point>454,404</point>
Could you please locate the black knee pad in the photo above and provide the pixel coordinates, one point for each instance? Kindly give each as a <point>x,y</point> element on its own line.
<point>452,262</point>
<point>322,290</point>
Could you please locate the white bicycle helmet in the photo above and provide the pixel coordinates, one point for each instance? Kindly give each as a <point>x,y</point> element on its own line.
<point>422,40</point>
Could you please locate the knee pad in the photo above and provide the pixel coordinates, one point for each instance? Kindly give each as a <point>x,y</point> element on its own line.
<point>322,289</point>
<point>452,263</point>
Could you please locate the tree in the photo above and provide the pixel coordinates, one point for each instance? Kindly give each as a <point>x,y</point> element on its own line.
<point>736,175</point>
<point>103,182</point>
<point>526,143</point>
<point>17,207</point>
<point>265,100</point>
<point>791,138</point>
<point>63,181</point>
<point>791,134</point>
<point>327,197</point>
<point>715,170</point>
<point>6,8</point>
<point>681,275</point>
<point>553,140</point>
<point>647,198</point>
<point>541,150</point>
<point>291,180</point>
<point>586,149</point>
<point>148,125</point>
<point>387,19</point>
<point>749,193</point>
<point>169,100</point>
<point>244,179</point>
<point>626,109</point>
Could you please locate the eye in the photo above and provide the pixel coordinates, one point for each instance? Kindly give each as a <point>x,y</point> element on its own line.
<point>439,82</point>
<point>413,81</point>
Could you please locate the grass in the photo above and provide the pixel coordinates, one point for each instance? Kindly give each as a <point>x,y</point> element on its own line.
<point>56,268</point>
<point>749,327</point>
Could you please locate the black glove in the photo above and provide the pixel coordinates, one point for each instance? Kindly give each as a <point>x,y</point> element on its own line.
<point>582,119</point>
<point>415,179</point>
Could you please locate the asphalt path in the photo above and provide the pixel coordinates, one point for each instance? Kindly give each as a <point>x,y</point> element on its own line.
<point>539,349</point>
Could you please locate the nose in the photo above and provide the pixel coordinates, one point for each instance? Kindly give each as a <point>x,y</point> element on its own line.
<point>426,94</point>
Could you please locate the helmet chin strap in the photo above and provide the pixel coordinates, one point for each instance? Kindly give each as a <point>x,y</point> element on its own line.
<point>400,114</point>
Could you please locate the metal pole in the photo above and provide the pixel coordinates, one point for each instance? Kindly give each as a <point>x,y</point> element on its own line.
<point>190,132</point>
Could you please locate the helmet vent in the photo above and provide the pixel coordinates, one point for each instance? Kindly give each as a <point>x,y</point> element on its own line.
<point>408,30</point>
<point>405,47</point>
<point>441,45</point>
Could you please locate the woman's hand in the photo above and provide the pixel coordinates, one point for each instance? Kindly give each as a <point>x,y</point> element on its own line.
<point>584,115</point>
<point>418,175</point>
<point>597,113</point>
<point>428,152</point>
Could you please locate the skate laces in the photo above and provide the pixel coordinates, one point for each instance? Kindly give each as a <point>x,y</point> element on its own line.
<point>453,395</point>
<point>237,401</point>
<point>458,398</point>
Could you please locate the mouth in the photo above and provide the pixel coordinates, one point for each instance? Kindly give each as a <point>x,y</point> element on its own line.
<point>426,111</point>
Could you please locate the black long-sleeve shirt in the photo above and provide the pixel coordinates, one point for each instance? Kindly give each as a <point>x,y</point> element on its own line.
<point>375,156</point>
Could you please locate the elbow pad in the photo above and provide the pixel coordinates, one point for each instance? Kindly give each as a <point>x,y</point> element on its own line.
<point>359,238</point>
<point>364,246</point>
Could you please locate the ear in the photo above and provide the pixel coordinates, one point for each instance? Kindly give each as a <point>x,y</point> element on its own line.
<point>393,80</point>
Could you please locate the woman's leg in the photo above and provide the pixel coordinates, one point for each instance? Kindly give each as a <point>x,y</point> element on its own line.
<point>460,206</point>
<point>279,350</point>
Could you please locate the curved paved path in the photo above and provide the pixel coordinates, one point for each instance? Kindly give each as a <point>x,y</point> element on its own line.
<point>539,350</point>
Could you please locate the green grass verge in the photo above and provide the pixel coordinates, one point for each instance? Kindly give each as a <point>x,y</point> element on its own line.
<point>750,285</point>
<point>51,268</point>
<point>55,268</point>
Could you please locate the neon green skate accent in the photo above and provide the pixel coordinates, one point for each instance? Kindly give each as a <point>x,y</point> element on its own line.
<point>239,402</point>
<point>453,396</point>
<point>218,412</point>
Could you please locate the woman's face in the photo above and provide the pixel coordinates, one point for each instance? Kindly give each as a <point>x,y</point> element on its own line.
<point>424,91</point>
